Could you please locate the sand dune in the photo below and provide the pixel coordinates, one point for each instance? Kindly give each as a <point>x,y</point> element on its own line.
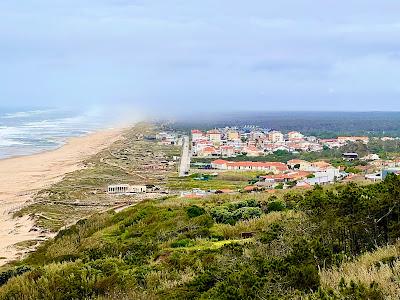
<point>21,177</point>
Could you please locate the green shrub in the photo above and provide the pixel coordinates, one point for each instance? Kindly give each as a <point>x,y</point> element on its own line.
<point>5,276</point>
<point>304,277</point>
<point>195,211</point>
<point>276,206</point>
<point>271,234</point>
<point>182,243</point>
<point>247,213</point>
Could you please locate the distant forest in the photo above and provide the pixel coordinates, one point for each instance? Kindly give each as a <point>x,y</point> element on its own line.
<point>320,124</point>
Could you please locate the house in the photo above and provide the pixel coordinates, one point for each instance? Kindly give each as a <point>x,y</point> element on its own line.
<point>274,167</point>
<point>194,193</point>
<point>353,139</point>
<point>276,136</point>
<point>330,175</point>
<point>118,188</point>
<point>138,189</point>
<point>286,177</point>
<point>200,145</point>
<point>371,157</point>
<point>265,184</point>
<point>319,166</point>
<point>257,135</point>
<point>214,136</point>
<point>298,164</point>
<point>126,189</point>
<point>303,185</point>
<point>197,135</point>
<point>252,151</point>
<point>208,152</point>
<point>386,172</point>
<point>331,143</point>
<point>295,136</point>
<point>349,156</point>
<point>166,138</point>
<point>374,177</point>
<point>220,164</point>
<point>233,135</point>
<point>227,151</point>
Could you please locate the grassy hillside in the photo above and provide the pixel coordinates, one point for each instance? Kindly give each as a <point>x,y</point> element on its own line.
<point>241,246</point>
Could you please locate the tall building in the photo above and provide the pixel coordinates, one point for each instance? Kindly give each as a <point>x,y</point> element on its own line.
<point>276,136</point>
<point>214,136</point>
<point>233,135</point>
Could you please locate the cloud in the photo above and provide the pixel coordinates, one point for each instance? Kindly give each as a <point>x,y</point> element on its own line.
<point>176,55</point>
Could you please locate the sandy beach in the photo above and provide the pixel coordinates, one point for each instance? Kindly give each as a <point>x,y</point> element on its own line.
<point>21,177</point>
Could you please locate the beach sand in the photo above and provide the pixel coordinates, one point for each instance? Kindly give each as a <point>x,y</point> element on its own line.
<point>21,177</point>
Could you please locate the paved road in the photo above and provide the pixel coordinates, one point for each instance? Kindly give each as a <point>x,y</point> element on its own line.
<point>184,166</point>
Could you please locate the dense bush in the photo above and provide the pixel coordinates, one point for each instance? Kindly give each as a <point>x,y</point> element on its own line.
<point>233,212</point>
<point>276,206</point>
<point>195,211</point>
<point>5,276</point>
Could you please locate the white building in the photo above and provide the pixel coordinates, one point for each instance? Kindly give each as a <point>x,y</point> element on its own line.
<point>295,135</point>
<point>276,136</point>
<point>214,136</point>
<point>324,177</point>
<point>118,188</point>
<point>233,135</point>
<point>126,189</point>
<point>197,135</point>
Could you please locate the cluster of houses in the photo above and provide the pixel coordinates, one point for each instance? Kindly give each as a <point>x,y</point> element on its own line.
<point>296,172</point>
<point>230,142</point>
<point>168,138</point>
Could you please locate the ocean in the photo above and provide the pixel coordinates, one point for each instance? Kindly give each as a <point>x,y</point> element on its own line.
<point>29,131</point>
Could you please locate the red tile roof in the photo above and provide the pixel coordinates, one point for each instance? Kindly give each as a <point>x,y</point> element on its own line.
<point>249,188</point>
<point>297,161</point>
<point>289,176</point>
<point>219,162</point>
<point>197,131</point>
<point>209,149</point>
<point>278,165</point>
<point>213,131</point>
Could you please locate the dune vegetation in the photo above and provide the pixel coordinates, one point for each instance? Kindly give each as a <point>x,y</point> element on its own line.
<point>338,243</point>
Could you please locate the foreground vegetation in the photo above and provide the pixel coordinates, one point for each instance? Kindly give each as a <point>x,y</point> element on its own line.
<point>319,244</point>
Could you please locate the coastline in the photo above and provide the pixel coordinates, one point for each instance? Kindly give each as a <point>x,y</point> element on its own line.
<point>22,176</point>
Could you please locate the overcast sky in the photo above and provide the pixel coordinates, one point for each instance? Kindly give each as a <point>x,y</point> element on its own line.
<point>172,55</point>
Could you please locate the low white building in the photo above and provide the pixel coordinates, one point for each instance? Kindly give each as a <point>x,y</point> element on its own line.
<point>324,177</point>
<point>118,188</point>
<point>126,189</point>
<point>371,157</point>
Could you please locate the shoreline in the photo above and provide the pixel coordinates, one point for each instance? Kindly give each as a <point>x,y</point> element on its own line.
<point>22,176</point>
<point>65,142</point>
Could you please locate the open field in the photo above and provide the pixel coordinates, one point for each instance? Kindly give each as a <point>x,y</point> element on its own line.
<point>224,180</point>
